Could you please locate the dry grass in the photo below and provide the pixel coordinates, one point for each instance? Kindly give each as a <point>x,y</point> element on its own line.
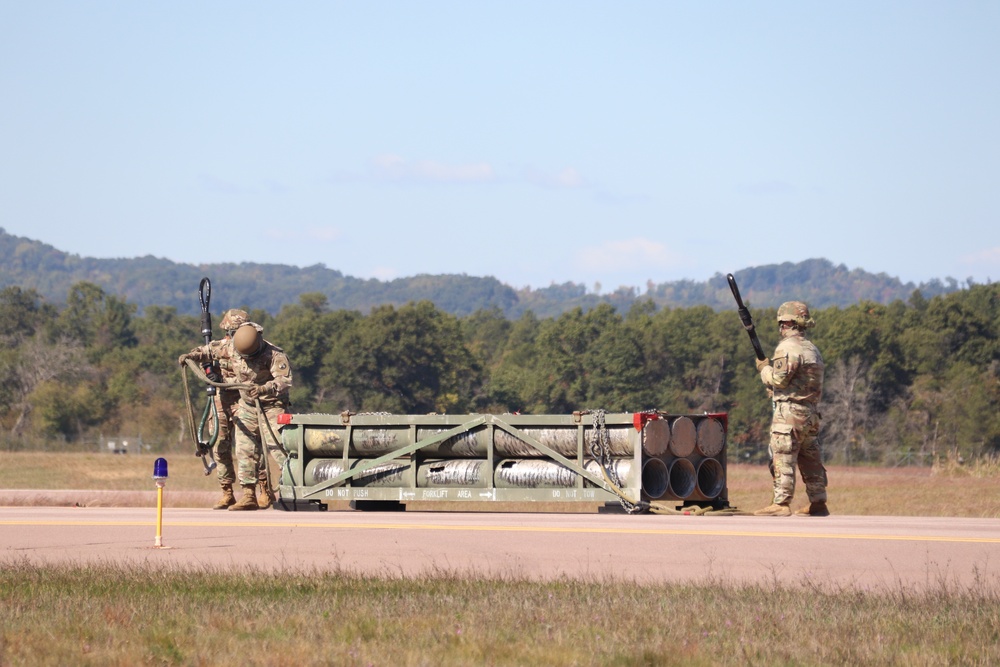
<point>116,616</point>
<point>99,471</point>
<point>101,480</point>
<point>883,491</point>
<point>111,615</point>
<point>948,489</point>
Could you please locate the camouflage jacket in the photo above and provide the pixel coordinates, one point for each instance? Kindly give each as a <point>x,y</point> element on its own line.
<point>218,351</point>
<point>796,370</point>
<point>269,370</point>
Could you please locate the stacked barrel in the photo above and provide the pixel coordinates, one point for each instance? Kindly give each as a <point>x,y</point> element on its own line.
<point>692,449</point>
<point>508,457</point>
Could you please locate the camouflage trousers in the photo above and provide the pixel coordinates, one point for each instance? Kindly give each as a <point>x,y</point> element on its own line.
<point>794,430</point>
<point>225,404</point>
<point>252,436</point>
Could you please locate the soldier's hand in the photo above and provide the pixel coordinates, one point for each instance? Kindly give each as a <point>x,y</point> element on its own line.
<point>253,392</point>
<point>181,359</point>
<point>761,363</point>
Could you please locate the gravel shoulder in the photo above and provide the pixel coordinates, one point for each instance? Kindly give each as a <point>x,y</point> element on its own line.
<point>103,498</point>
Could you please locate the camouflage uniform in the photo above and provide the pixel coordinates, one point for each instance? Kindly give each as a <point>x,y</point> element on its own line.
<point>221,352</point>
<point>270,372</point>
<point>795,380</point>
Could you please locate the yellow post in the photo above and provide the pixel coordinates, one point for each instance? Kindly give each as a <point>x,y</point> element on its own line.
<point>160,477</point>
<point>159,513</point>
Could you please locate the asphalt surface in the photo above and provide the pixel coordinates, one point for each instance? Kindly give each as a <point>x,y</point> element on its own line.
<point>836,552</point>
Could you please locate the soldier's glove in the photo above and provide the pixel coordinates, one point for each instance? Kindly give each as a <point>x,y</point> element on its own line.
<point>761,363</point>
<point>181,359</point>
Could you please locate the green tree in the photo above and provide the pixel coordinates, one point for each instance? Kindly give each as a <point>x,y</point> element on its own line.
<point>872,334</point>
<point>67,410</point>
<point>511,381</point>
<point>22,313</point>
<point>564,359</point>
<point>847,410</point>
<point>340,384</point>
<point>411,360</point>
<point>301,332</point>
<point>616,368</point>
<point>99,321</point>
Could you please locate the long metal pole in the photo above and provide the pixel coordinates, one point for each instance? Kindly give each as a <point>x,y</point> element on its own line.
<point>159,514</point>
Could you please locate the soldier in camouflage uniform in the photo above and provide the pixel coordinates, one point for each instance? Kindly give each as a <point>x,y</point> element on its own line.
<point>264,366</point>
<point>794,378</point>
<point>221,352</point>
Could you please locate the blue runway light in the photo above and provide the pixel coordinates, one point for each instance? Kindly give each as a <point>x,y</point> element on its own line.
<point>160,469</point>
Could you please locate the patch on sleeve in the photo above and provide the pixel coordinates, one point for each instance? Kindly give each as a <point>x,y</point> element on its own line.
<point>780,364</point>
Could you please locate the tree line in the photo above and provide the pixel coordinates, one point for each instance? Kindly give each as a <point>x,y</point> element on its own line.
<point>151,281</point>
<point>916,378</point>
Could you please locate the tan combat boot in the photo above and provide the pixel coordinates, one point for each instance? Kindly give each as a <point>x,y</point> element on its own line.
<point>814,509</point>
<point>227,498</point>
<point>774,510</point>
<point>266,497</point>
<point>248,501</point>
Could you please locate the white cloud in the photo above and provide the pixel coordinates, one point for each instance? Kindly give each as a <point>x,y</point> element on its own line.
<point>324,234</point>
<point>385,273</point>
<point>396,168</point>
<point>986,261</point>
<point>568,178</point>
<point>217,185</point>
<point>989,257</point>
<point>313,234</point>
<point>631,256</point>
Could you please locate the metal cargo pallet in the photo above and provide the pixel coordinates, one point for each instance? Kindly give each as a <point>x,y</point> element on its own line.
<point>383,461</point>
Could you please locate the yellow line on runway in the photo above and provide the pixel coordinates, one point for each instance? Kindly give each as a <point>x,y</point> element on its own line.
<point>521,529</point>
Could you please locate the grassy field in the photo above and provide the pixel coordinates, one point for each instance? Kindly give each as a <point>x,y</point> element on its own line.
<point>116,616</point>
<point>112,615</point>
<point>945,490</point>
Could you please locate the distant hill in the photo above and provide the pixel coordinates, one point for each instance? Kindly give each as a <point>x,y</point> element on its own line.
<point>149,280</point>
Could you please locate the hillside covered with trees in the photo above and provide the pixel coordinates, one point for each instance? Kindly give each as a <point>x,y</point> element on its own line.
<point>906,379</point>
<point>150,281</point>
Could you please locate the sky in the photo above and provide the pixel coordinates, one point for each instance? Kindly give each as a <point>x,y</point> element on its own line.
<point>603,143</point>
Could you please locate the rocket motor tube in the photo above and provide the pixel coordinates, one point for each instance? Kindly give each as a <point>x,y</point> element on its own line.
<point>474,473</point>
<point>545,474</point>
<point>711,478</point>
<point>396,473</point>
<point>711,437</point>
<point>683,436</point>
<point>372,442</point>
<point>683,478</point>
<point>468,473</point>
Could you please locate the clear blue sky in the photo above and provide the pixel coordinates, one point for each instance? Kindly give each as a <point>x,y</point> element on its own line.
<point>537,142</point>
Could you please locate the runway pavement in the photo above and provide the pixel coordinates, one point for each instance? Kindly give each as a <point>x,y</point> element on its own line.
<point>831,552</point>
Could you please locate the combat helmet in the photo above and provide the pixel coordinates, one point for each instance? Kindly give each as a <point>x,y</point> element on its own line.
<point>232,319</point>
<point>248,340</point>
<point>797,312</point>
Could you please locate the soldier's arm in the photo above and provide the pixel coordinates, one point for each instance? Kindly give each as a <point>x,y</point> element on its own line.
<point>764,369</point>
<point>202,354</point>
<point>281,376</point>
<point>783,366</point>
